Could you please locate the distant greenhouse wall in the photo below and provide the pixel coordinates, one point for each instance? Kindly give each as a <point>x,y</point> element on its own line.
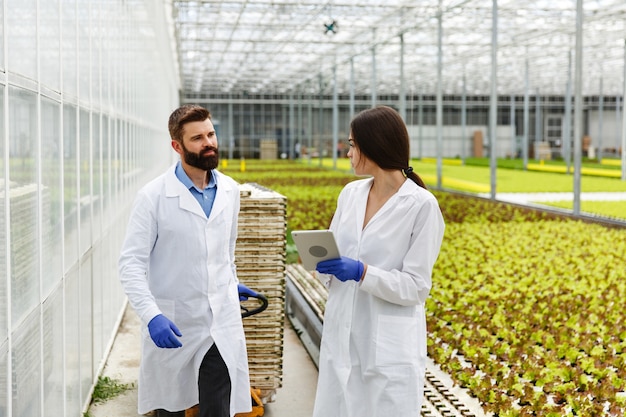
<point>245,122</point>
<point>85,92</point>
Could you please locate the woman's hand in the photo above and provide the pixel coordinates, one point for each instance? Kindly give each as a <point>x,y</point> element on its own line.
<point>344,268</point>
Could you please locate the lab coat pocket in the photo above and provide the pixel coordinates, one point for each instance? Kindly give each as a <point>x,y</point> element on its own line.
<point>396,341</point>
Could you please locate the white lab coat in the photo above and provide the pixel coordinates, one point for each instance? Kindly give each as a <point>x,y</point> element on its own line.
<point>177,262</point>
<point>373,350</point>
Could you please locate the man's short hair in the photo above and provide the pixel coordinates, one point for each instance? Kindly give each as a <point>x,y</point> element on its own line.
<point>183,115</point>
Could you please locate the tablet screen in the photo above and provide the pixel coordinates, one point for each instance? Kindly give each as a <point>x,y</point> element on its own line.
<point>315,246</point>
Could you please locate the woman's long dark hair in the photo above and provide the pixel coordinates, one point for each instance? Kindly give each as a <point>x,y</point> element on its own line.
<point>381,135</point>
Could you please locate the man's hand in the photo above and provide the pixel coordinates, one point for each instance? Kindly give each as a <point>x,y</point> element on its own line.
<point>245,292</point>
<point>163,332</point>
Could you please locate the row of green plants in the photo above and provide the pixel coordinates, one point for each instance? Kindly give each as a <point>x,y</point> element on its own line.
<point>475,177</point>
<point>526,310</point>
<point>526,306</point>
<point>518,163</point>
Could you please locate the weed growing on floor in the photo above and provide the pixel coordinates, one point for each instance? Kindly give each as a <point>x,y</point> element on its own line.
<point>106,389</point>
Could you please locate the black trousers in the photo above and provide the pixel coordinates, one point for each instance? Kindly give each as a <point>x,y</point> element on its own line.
<point>213,388</point>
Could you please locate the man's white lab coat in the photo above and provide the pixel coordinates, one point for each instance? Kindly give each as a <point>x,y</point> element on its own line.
<point>177,262</point>
<point>373,349</point>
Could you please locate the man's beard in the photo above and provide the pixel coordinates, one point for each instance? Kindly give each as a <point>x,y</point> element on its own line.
<point>204,162</point>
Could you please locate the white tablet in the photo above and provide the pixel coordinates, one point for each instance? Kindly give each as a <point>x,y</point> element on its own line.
<point>315,246</point>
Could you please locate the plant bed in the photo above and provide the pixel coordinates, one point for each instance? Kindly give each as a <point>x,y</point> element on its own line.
<point>526,309</point>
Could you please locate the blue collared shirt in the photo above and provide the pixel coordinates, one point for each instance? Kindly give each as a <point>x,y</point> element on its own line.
<point>205,197</point>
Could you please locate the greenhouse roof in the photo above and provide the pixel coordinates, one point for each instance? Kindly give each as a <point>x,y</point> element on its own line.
<point>287,46</point>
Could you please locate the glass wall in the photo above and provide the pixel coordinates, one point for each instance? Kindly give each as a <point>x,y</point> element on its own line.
<point>86,87</point>
<point>245,121</point>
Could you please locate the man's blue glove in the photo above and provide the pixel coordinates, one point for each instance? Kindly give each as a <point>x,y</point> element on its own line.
<point>163,332</point>
<point>245,292</point>
<point>343,268</point>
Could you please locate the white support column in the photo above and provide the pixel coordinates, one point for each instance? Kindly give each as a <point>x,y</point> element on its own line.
<point>493,106</point>
<point>600,121</point>
<point>231,137</point>
<point>464,137</point>
<point>292,125</point>
<point>512,124</point>
<point>624,122</point>
<point>567,132</point>
<point>320,145</point>
<point>439,96</point>
<point>374,77</point>
<point>420,123</point>
<point>402,93</point>
<point>351,88</point>
<point>578,105</point>
<point>526,140</point>
<point>335,117</point>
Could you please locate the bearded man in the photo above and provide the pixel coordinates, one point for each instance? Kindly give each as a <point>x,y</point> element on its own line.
<point>177,267</point>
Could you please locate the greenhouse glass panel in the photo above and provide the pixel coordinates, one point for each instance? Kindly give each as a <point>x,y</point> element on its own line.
<point>51,194</point>
<point>96,174</point>
<point>53,354</point>
<point>70,185</point>
<point>69,47</point>
<point>84,50</point>
<point>50,44</point>
<point>85,197</point>
<point>87,370</point>
<point>21,38</point>
<point>4,354</point>
<point>23,200</point>
<point>26,367</point>
<point>72,343</point>
<point>3,228</point>
<point>2,65</point>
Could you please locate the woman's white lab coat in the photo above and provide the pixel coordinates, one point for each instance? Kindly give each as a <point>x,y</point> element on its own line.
<point>177,262</point>
<point>373,349</point>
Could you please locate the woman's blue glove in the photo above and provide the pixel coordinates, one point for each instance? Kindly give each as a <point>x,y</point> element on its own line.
<point>245,292</point>
<point>163,332</point>
<point>343,268</point>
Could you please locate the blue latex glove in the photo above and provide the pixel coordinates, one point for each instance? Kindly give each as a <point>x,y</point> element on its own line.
<point>245,292</point>
<point>163,332</point>
<point>343,268</point>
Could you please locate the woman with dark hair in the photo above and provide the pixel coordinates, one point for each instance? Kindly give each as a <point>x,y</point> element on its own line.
<point>389,230</point>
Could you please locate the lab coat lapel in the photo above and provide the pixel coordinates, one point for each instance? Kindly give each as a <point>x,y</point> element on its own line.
<point>360,206</point>
<point>405,189</point>
<point>221,199</point>
<point>175,188</point>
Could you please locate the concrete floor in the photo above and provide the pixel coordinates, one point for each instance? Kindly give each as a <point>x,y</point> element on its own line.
<point>294,399</point>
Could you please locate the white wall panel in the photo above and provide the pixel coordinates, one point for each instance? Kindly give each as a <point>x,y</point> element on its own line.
<point>26,367</point>
<point>85,328</point>
<point>23,202</point>
<point>4,304</point>
<point>84,50</point>
<point>50,44</point>
<point>21,38</point>
<point>70,184</point>
<point>69,47</point>
<point>85,197</point>
<point>453,142</point>
<point>90,88</point>
<point>4,389</point>
<point>71,343</point>
<point>51,194</point>
<point>611,129</point>
<point>2,53</point>
<point>53,365</point>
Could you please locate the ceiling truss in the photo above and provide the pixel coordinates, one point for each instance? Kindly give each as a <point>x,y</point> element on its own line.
<point>285,46</point>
